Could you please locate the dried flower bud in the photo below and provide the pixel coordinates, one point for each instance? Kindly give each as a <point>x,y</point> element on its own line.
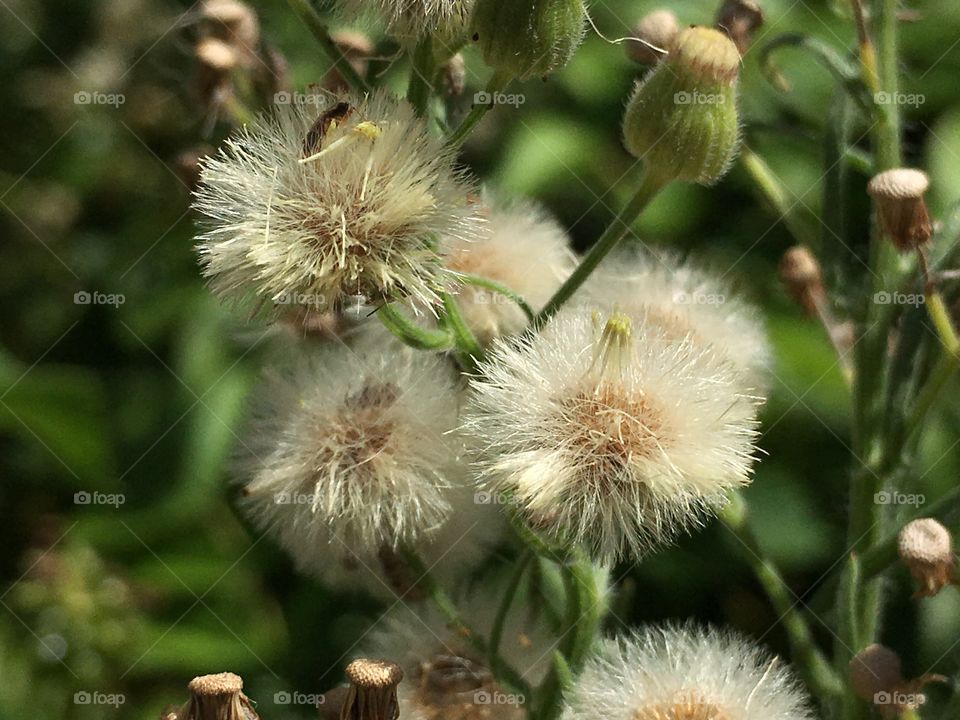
<point>926,548</point>
<point>903,214</point>
<point>233,22</point>
<point>875,669</point>
<point>528,38</point>
<point>217,697</point>
<point>682,118</point>
<point>800,274</point>
<point>740,19</point>
<point>373,690</point>
<point>454,73</point>
<point>654,35</point>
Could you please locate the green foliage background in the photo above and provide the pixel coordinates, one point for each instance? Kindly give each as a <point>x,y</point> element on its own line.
<point>147,399</point>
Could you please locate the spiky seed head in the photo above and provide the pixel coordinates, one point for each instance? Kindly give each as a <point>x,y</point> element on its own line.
<point>609,433</point>
<point>800,273</point>
<point>521,248</point>
<point>528,38</point>
<point>898,195</point>
<point>682,118</point>
<point>926,547</point>
<point>739,19</point>
<point>875,669</point>
<point>217,697</point>
<point>685,673</point>
<point>655,33</point>
<point>315,209</point>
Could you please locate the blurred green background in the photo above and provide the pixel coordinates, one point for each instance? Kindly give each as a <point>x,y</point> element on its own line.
<point>146,398</point>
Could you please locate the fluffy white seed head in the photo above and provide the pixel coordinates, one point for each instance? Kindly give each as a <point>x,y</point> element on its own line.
<point>685,302</point>
<point>351,454</point>
<point>445,676</point>
<point>521,248</point>
<point>310,209</point>
<point>610,433</point>
<point>410,20</point>
<point>685,673</point>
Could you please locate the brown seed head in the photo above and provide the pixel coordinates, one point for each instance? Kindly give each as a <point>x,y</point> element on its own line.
<point>800,273</point>
<point>220,684</point>
<point>898,194</point>
<point>374,674</point>
<point>926,548</point>
<point>217,697</point>
<point>740,19</point>
<point>657,29</point>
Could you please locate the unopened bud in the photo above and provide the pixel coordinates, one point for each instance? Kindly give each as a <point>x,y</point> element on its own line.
<point>372,694</point>
<point>654,35</point>
<point>740,19</point>
<point>528,38</point>
<point>232,21</point>
<point>216,55</point>
<point>682,119</point>
<point>926,548</point>
<point>800,273</point>
<point>898,194</point>
<point>875,669</point>
<point>217,697</point>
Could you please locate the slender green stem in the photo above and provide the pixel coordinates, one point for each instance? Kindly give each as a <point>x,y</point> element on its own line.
<point>468,349</point>
<point>611,237</point>
<point>321,32</point>
<point>809,658</point>
<point>932,392</point>
<point>410,333</point>
<point>940,316</point>
<point>777,195</point>
<point>505,674</point>
<point>499,289</point>
<point>849,628</point>
<point>500,621</point>
<point>421,77</point>
<point>496,84</point>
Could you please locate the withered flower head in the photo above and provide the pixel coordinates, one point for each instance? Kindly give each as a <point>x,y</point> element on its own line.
<point>898,194</point>
<point>926,548</point>
<point>217,697</point>
<point>373,690</point>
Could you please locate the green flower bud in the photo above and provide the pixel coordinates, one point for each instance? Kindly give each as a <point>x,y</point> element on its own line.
<point>527,38</point>
<point>682,119</point>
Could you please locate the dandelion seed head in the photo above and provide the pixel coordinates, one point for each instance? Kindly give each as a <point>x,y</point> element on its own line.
<point>610,433</point>
<point>685,673</point>
<point>327,206</point>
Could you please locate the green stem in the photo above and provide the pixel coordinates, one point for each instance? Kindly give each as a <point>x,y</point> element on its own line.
<point>611,237</point>
<point>499,289</point>
<point>777,195</point>
<point>421,77</point>
<point>932,392</point>
<point>321,32</point>
<point>411,333</point>
<point>505,674</point>
<point>468,349</point>
<point>496,84</point>
<point>500,621</point>
<point>808,657</point>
